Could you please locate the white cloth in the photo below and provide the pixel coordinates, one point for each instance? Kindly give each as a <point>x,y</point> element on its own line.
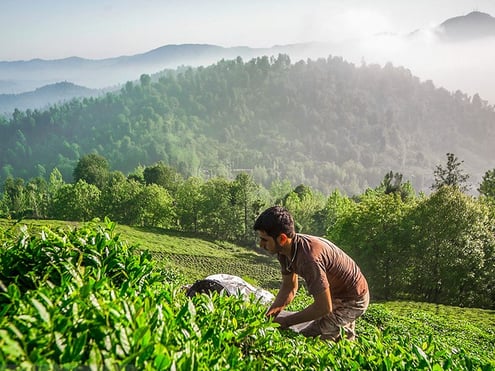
<point>236,285</point>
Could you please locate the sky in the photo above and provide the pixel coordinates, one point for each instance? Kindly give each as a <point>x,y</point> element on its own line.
<point>97,29</point>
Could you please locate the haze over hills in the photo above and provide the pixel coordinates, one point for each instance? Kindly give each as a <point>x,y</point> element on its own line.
<point>347,121</point>
<point>44,96</point>
<point>431,54</point>
<point>324,123</point>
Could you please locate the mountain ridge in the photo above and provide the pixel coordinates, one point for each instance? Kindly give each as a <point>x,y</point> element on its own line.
<point>25,76</point>
<point>472,26</point>
<point>44,96</point>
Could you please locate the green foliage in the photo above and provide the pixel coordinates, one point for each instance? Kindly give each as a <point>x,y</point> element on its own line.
<point>453,246</point>
<point>392,183</point>
<point>451,175</point>
<point>154,205</point>
<point>324,123</point>
<point>93,169</point>
<point>247,203</point>
<point>76,201</point>
<point>188,205</point>
<point>487,185</point>
<point>162,175</point>
<point>217,215</point>
<point>120,200</point>
<point>95,302</point>
<point>373,232</point>
<point>304,204</point>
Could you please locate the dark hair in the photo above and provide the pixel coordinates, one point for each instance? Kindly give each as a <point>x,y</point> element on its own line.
<point>275,220</point>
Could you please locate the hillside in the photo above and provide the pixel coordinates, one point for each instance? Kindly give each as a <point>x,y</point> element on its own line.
<point>325,123</point>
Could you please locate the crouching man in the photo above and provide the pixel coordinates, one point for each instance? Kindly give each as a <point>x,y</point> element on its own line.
<point>338,287</point>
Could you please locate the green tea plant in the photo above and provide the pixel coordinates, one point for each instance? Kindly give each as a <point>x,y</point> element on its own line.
<point>83,298</point>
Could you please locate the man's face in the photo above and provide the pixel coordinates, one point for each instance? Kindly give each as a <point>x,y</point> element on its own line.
<point>268,243</point>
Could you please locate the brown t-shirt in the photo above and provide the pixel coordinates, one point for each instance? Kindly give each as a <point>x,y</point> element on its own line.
<point>323,265</point>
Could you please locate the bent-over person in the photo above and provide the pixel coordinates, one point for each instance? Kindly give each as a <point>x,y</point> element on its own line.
<point>339,289</point>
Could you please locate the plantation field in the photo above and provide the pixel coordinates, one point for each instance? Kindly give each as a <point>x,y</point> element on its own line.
<point>85,296</point>
<point>193,257</point>
<point>197,258</point>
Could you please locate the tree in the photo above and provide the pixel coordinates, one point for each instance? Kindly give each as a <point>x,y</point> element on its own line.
<point>119,200</point>
<point>487,185</point>
<point>392,183</point>
<point>454,245</point>
<point>77,202</point>
<point>246,201</point>
<point>93,169</point>
<point>217,215</point>
<point>188,204</point>
<point>304,204</point>
<point>14,197</point>
<point>37,197</point>
<point>162,175</point>
<point>155,207</point>
<point>373,233</point>
<point>451,175</point>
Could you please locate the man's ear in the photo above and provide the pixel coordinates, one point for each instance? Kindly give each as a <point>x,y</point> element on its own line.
<point>282,239</point>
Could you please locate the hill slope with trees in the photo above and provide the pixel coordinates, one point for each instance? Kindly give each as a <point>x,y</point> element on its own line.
<point>325,123</point>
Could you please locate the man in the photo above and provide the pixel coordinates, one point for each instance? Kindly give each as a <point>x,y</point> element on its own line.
<point>338,287</point>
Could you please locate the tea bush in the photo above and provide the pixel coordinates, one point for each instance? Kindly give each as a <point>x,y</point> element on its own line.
<point>80,297</point>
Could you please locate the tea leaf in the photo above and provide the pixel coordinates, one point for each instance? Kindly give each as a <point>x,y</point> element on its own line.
<point>45,316</point>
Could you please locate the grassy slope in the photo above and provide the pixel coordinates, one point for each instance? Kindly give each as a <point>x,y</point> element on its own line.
<point>472,330</point>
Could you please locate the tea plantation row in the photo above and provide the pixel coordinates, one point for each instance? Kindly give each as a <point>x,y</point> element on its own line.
<point>81,296</point>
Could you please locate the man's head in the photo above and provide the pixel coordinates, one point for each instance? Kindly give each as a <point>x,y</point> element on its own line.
<point>275,220</point>
<point>275,227</point>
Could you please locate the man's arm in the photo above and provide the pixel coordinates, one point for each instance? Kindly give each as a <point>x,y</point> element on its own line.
<point>285,295</point>
<point>321,306</point>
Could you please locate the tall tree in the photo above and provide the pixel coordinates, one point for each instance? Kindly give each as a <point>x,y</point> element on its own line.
<point>454,244</point>
<point>217,214</point>
<point>119,200</point>
<point>451,175</point>
<point>393,183</point>
<point>79,202</point>
<point>246,201</point>
<point>155,206</point>
<point>162,175</point>
<point>188,204</point>
<point>373,233</point>
<point>487,185</point>
<point>14,197</point>
<point>304,203</point>
<point>37,197</point>
<point>93,169</point>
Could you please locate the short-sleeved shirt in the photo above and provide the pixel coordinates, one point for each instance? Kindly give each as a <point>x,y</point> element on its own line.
<point>323,265</point>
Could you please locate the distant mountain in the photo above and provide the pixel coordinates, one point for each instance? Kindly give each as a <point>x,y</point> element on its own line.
<point>22,76</point>
<point>44,96</point>
<point>430,60</point>
<point>475,25</point>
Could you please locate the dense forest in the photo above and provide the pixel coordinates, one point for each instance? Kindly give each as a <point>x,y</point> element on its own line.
<point>437,248</point>
<point>325,123</point>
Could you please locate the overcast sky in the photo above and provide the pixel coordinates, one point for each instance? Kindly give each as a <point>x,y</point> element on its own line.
<point>53,29</point>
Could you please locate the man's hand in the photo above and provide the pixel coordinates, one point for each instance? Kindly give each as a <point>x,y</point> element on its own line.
<point>285,295</point>
<point>273,311</point>
<point>282,321</point>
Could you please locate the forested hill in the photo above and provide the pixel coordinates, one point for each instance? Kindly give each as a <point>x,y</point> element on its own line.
<point>326,123</point>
